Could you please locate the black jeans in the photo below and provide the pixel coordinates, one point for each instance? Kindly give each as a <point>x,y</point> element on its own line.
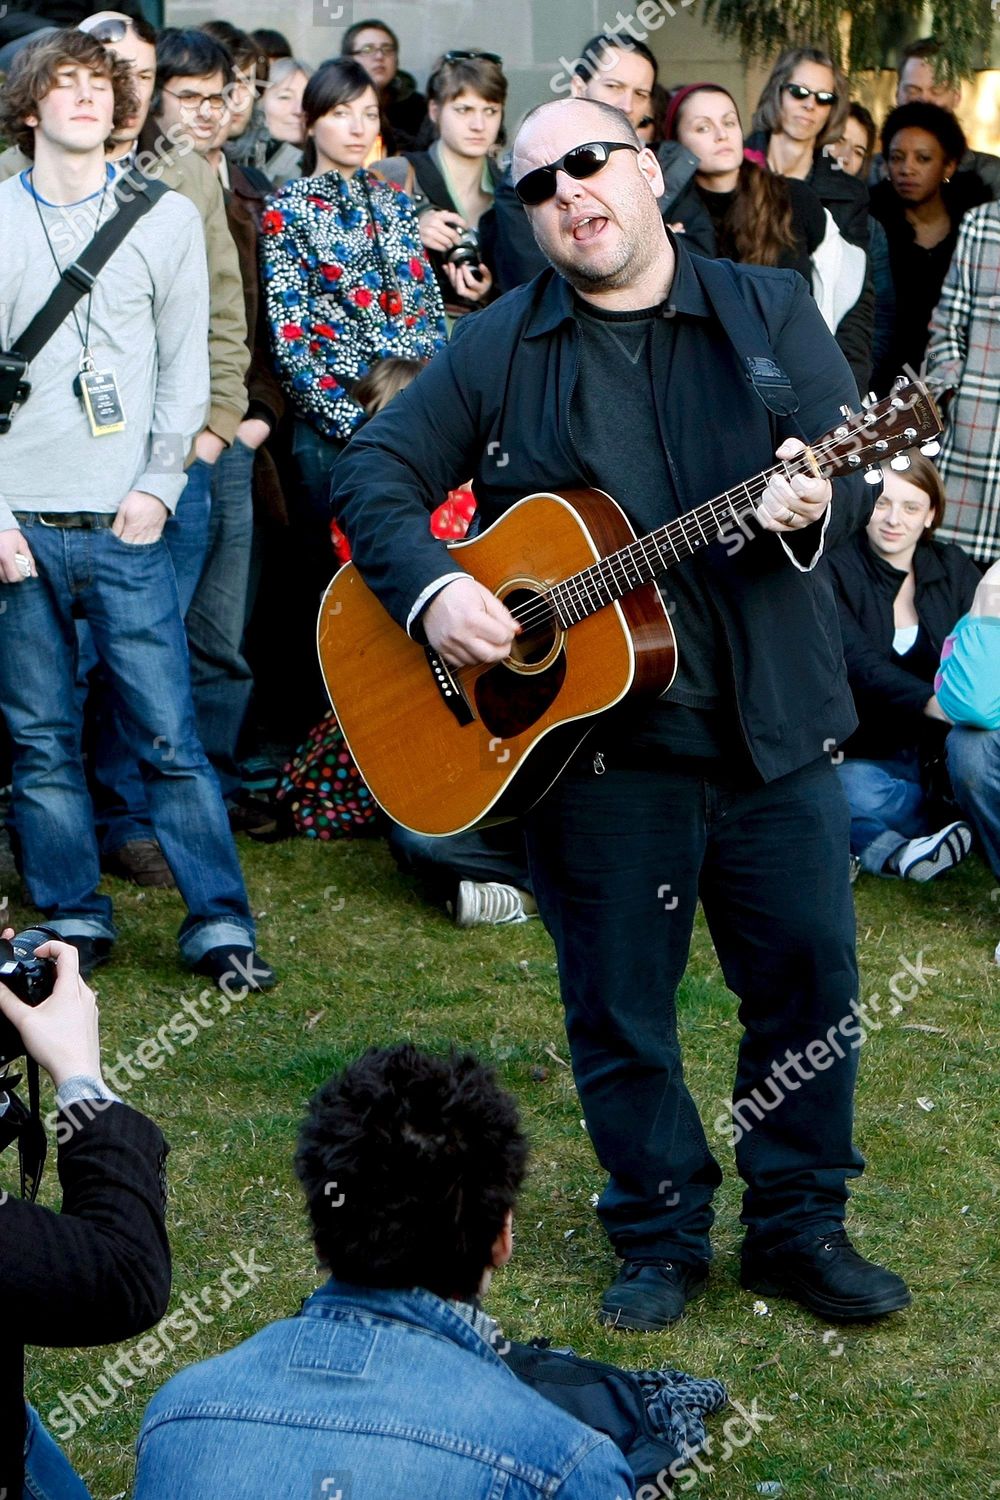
<point>619,860</point>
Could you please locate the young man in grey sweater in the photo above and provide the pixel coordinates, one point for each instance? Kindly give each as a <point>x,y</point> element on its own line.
<point>84,496</point>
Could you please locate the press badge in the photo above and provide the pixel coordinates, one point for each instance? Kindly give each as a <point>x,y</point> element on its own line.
<point>98,390</point>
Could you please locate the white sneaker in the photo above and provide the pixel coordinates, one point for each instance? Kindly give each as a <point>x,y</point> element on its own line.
<point>926,858</point>
<point>488,903</point>
<point>996,956</point>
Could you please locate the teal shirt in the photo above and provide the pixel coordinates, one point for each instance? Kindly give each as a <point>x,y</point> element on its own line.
<point>968,682</point>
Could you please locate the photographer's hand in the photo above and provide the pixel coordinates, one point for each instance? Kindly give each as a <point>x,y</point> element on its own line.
<point>468,285</point>
<point>61,1034</point>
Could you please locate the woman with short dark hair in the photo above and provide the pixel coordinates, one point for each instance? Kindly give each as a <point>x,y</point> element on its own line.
<point>920,206</point>
<point>454,181</point>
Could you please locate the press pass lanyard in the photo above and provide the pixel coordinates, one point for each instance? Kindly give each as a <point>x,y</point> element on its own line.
<point>97,390</point>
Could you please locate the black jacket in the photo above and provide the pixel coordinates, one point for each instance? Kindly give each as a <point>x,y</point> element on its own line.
<point>496,404</point>
<point>845,196</point>
<point>432,185</point>
<point>95,1273</point>
<point>890,691</point>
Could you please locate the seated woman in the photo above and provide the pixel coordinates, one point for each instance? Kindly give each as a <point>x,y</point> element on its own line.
<point>734,207</point>
<point>899,592</point>
<point>920,206</point>
<point>452,184</point>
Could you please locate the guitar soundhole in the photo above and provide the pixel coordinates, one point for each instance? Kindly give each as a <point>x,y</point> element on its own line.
<point>540,638</point>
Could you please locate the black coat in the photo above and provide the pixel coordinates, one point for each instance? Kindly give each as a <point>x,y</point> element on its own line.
<point>845,196</point>
<point>890,691</point>
<point>95,1273</point>
<point>496,404</point>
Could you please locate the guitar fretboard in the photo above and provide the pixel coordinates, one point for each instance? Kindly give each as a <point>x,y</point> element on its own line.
<point>643,560</point>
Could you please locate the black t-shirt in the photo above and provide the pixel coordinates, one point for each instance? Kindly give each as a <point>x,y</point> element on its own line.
<point>625,357</point>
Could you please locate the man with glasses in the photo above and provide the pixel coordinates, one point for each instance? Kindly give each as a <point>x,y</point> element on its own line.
<point>404,110</point>
<point>664,379</point>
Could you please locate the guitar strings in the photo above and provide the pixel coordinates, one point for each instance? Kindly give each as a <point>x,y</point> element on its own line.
<point>542,608</point>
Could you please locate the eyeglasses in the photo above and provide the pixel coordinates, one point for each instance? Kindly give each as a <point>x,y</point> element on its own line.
<point>376,49</point>
<point>472,55</point>
<point>217,103</point>
<point>583,161</point>
<point>799,91</point>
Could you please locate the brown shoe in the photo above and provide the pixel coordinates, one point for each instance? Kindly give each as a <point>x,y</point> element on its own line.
<point>140,861</point>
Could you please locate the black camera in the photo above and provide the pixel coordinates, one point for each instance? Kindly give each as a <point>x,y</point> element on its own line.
<point>28,977</point>
<point>14,389</point>
<point>465,251</point>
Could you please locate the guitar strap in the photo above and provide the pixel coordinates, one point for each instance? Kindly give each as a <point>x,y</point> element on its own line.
<point>749,336</point>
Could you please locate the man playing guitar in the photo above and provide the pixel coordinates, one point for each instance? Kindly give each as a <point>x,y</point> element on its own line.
<point>663,379</point>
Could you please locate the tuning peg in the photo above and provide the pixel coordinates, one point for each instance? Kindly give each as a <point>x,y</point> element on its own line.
<point>930,449</point>
<point>900,462</point>
<point>868,400</point>
<point>873,474</point>
<point>845,410</point>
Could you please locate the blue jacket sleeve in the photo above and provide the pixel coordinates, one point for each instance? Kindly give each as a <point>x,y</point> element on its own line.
<point>968,684</point>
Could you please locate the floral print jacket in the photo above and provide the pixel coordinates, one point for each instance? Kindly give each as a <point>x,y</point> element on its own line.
<point>346,283</point>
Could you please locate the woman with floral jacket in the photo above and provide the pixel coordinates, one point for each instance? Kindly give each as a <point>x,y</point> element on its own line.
<point>347,283</point>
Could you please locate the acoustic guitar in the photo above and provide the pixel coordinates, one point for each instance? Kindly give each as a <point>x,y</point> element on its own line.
<point>443,749</point>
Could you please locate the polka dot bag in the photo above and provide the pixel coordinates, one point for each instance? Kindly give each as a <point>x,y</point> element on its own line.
<point>321,788</point>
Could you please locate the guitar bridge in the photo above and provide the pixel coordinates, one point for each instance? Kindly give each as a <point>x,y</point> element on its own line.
<point>448,687</point>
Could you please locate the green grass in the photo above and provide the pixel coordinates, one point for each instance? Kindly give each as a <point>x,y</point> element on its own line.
<point>905,1408</point>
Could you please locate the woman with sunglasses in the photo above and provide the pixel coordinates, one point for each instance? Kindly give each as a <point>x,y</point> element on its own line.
<point>453,183</point>
<point>346,283</point>
<point>801,110</point>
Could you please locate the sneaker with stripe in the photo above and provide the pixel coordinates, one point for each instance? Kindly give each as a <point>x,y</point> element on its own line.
<point>927,858</point>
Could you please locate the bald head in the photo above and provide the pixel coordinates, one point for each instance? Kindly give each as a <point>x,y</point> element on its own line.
<point>588,119</point>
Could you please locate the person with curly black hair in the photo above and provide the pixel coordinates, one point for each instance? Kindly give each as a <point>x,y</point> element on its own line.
<point>920,206</point>
<point>389,1382</point>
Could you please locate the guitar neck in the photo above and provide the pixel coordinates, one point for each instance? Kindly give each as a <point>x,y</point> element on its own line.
<point>649,556</point>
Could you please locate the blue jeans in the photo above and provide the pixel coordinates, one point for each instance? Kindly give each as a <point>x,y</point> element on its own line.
<point>221,681</point>
<point>209,542</point>
<point>480,854</point>
<point>48,1473</point>
<point>186,531</point>
<point>888,807</point>
<point>619,861</point>
<point>128,596</point>
<point>974,768</point>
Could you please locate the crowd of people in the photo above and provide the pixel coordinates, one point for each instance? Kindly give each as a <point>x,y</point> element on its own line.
<point>258,318</point>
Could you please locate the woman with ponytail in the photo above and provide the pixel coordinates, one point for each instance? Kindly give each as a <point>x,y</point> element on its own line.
<point>765,219</point>
<point>758,217</point>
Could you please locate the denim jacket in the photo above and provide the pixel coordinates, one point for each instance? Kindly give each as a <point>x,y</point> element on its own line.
<point>368,1394</point>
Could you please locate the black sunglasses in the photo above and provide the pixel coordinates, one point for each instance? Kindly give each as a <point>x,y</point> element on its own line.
<point>799,91</point>
<point>471,55</point>
<point>582,162</point>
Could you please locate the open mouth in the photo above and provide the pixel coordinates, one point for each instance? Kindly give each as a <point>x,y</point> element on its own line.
<point>588,229</point>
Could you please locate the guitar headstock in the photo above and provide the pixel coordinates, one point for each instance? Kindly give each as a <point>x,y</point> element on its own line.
<point>906,419</point>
